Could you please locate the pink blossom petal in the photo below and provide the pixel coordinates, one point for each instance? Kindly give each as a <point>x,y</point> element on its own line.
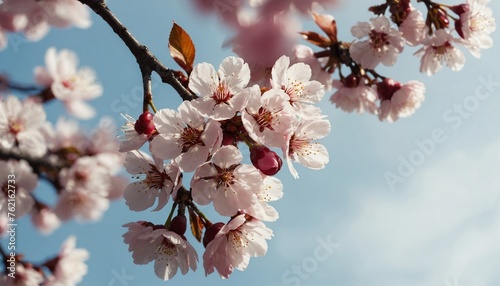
<point>165,147</point>
<point>227,156</point>
<point>190,160</point>
<point>138,196</point>
<point>137,162</point>
<point>203,79</point>
<point>80,109</point>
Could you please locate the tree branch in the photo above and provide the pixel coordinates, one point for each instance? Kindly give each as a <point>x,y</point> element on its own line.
<point>47,167</point>
<point>146,60</point>
<point>36,163</point>
<point>5,83</point>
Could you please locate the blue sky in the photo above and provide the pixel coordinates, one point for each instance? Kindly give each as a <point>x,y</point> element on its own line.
<point>438,224</point>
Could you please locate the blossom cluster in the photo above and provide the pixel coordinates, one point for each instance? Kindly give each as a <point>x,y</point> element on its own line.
<point>34,18</point>
<point>83,167</point>
<point>205,136</point>
<point>253,106</point>
<point>66,268</point>
<point>379,41</point>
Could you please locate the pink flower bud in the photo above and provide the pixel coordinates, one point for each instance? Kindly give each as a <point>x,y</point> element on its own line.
<point>178,225</point>
<point>145,125</point>
<point>211,232</point>
<point>267,161</point>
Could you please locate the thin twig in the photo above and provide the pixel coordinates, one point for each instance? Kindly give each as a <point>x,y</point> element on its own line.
<point>35,162</point>
<point>146,60</point>
<point>148,95</point>
<point>6,83</point>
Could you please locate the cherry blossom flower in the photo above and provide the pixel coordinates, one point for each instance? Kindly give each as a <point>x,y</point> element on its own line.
<point>185,136</point>
<point>475,25</point>
<point>354,95</point>
<point>86,173</point>
<point>383,46</point>
<point>102,140</point>
<point>241,238</point>
<point>81,204</point>
<point>131,139</point>
<point>66,134</point>
<point>236,13</point>
<point>279,32</point>
<point>25,276</point>
<point>85,190</point>
<point>68,138</point>
<point>40,15</point>
<point>302,148</point>
<point>227,10</point>
<point>169,250</point>
<point>44,219</point>
<point>141,248</point>
<point>68,267</point>
<point>25,182</point>
<point>70,142</point>
<point>70,85</point>
<point>20,124</point>
<point>398,100</point>
<point>437,49</point>
<point>102,147</point>
<point>413,28</point>
<point>295,81</point>
<point>220,91</point>
<point>270,7</point>
<point>268,118</point>
<point>270,190</point>
<point>160,181</point>
<point>10,22</point>
<point>305,54</point>
<point>226,182</point>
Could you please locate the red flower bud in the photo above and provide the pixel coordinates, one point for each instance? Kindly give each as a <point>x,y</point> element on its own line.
<point>145,125</point>
<point>211,232</point>
<point>267,161</point>
<point>458,28</point>
<point>228,139</point>
<point>460,9</point>
<point>442,18</point>
<point>386,88</point>
<point>178,225</point>
<point>351,81</point>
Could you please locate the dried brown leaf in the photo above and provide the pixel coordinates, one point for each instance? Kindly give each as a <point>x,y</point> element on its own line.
<point>181,48</point>
<point>316,39</point>
<point>196,225</point>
